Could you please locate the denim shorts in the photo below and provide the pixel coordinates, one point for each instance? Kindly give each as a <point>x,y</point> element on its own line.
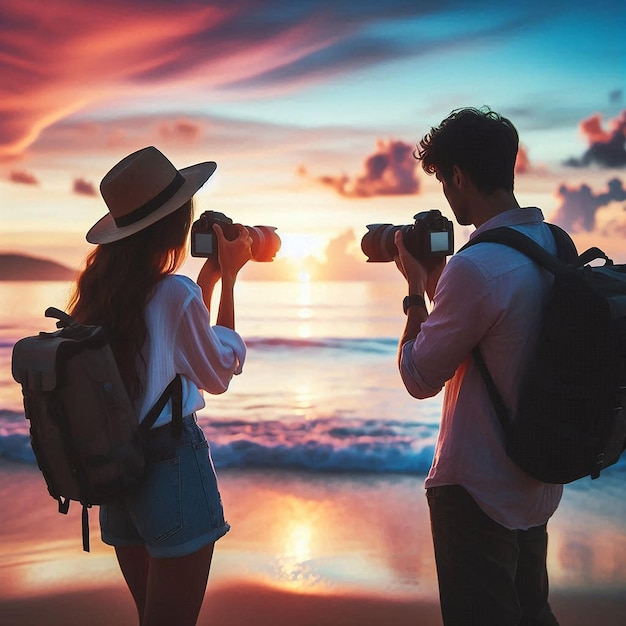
<point>178,509</point>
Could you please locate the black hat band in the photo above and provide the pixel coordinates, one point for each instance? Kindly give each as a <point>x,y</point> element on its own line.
<point>152,205</point>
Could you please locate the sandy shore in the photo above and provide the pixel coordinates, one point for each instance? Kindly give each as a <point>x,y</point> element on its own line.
<point>235,605</point>
<point>304,550</point>
<point>245,604</point>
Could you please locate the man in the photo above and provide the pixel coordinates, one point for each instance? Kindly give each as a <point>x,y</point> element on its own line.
<point>488,517</point>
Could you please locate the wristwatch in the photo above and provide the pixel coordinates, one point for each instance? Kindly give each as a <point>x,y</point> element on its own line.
<point>412,301</point>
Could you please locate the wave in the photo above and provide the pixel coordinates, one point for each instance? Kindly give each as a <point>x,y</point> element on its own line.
<point>378,345</point>
<point>381,345</point>
<point>333,444</point>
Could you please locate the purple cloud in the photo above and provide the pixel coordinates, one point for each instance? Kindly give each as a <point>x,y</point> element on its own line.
<point>577,211</point>
<point>391,170</point>
<point>84,188</point>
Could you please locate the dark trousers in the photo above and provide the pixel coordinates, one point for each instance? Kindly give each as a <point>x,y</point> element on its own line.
<point>488,575</point>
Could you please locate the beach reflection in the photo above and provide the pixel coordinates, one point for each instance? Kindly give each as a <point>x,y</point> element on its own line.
<point>317,534</point>
<point>41,551</point>
<point>293,569</point>
<point>57,566</point>
<point>589,559</point>
<point>305,311</point>
<point>302,533</point>
<point>345,534</point>
<point>587,537</point>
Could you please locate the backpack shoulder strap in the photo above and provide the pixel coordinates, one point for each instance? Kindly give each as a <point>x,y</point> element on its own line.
<point>174,391</point>
<point>496,399</point>
<point>565,246</point>
<point>64,318</point>
<point>567,255</point>
<point>514,239</point>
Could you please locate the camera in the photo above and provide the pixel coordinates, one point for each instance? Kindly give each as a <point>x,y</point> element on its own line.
<point>265,241</point>
<point>432,235</point>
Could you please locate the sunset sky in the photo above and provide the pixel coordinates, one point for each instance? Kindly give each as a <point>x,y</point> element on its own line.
<point>293,100</point>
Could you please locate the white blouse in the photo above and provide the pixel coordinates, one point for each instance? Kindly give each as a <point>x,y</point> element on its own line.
<point>181,340</point>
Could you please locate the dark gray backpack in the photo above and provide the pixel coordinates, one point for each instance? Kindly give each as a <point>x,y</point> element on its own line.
<point>571,417</point>
<point>83,428</point>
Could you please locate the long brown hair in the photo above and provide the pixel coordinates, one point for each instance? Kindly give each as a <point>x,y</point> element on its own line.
<point>119,279</point>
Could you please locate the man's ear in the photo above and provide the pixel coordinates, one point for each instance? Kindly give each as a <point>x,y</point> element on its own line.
<point>458,176</point>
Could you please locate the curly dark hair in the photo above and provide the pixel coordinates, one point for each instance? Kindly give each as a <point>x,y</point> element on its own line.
<point>480,142</point>
<point>119,279</point>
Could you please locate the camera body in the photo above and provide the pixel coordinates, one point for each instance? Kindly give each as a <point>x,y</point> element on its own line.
<point>431,235</point>
<point>265,241</point>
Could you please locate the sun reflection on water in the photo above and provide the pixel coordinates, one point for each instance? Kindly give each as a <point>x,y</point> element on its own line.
<point>305,302</point>
<point>56,565</point>
<point>293,568</point>
<point>298,546</point>
<point>303,400</point>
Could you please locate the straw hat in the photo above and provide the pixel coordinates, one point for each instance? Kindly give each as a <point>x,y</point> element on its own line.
<point>143,188</point>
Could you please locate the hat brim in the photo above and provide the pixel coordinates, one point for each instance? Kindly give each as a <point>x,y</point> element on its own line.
<point>106,230</point>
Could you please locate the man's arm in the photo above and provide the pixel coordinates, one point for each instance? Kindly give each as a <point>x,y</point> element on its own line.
<point>422,281</point>
<point>415,316</point>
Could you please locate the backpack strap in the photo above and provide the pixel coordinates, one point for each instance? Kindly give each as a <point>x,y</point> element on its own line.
<point>63,318</point>
<point>496,399</point>
<point>566,256</point>
<point>520,242</point>
<point>85,526</point>
<point>174,391</point>
<point>565,246</point>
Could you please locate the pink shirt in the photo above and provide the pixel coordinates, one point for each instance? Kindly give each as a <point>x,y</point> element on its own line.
<point>489,295</point>
<point>181,340</point>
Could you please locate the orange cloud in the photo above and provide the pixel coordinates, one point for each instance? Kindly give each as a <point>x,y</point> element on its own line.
<point>346,261</point>
<point>23,178</point>
<point>522,163</point>
<point>592,129</point>
<point>60,56</point>
<point>607,148</point>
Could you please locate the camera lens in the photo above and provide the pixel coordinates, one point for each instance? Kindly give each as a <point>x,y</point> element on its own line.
<point>378,243</point>
<point>265,242</point>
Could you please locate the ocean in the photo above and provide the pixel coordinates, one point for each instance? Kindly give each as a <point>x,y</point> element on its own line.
<point>319,391</point>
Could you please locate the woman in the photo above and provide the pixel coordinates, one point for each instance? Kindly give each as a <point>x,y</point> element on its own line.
<point>165,531</point>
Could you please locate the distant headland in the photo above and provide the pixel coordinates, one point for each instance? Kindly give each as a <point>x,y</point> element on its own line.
<point>22,267</point>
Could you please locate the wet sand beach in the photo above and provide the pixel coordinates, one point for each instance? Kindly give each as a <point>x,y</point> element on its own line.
<point>306,550</point>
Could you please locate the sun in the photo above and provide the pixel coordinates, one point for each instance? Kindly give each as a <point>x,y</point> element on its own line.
<point>299,246</point>
<point>304,253</point>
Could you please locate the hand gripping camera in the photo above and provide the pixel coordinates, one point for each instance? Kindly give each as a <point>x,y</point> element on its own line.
<point>432,235</point>
<point>265,241</point>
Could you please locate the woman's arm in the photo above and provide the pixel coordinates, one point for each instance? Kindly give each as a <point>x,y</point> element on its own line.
<point>232,256</point>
